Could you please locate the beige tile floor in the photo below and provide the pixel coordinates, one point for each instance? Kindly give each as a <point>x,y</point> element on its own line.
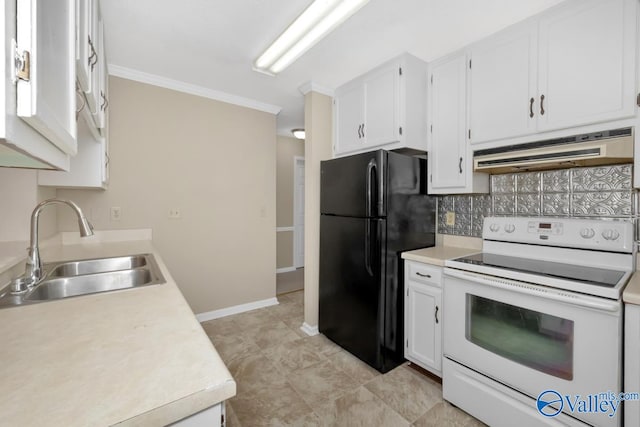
<point>285,377</point>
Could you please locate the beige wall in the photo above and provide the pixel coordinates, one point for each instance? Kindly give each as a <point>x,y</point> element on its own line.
<point>287,150</point>
<point>216,162</point>
<point>19,194</point>
<point>318,147</point>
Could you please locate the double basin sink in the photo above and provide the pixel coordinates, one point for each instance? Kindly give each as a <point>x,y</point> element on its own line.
<point>90,276</point>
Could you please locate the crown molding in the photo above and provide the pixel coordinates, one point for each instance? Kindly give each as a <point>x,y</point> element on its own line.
<point>314,87</point>
<point>155,80</point>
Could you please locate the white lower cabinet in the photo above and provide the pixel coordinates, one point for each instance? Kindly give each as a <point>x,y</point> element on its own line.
<point>423,315</point>
<point>632,362</point>
<point>210,417</point>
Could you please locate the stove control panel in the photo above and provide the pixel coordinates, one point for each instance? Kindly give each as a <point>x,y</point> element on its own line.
<point>609,235</point>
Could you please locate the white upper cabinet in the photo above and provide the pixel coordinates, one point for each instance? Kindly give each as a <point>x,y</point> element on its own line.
<point>93,93</point>
<point>503,84</point>
<point>89,168</point>
<point>46,93</point>
<point>21,145</point>
<point>384,108</point>
<point>587,64</point>
<point>84,45</point>
<point>572,66</point>
<point>450,156</point>
<point>349,118</point>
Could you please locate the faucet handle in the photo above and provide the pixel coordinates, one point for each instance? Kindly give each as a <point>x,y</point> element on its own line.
<point>21,284</point>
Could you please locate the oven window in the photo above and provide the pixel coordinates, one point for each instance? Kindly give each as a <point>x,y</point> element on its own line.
<point>537,340</point>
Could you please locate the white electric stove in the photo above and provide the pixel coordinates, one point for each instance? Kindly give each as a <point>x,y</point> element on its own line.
<point>538,309</point>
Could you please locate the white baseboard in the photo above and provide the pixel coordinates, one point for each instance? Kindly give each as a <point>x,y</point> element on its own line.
<point>309,330</point>
<point>285,269</point>
<point>223,312</point>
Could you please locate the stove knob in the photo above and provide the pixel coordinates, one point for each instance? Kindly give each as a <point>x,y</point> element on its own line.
<point>509,228</point>
<point>610,234</point>
<point>587,233</point>
<point>494,228</point>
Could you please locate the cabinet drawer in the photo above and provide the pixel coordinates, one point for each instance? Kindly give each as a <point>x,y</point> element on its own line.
<point>424,273</point>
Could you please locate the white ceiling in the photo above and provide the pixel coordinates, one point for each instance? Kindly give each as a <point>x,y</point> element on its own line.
<point>213,43</point>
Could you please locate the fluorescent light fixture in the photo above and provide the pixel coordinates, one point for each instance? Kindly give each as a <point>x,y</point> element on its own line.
<point>298,133</point>
<point>318,20</point>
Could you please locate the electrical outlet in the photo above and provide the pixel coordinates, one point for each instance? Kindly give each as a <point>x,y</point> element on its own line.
<point>174,213</point>
<point>116,213</point>
<point>450,218</point>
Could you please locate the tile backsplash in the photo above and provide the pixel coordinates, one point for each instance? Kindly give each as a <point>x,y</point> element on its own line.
<point>592,192</point>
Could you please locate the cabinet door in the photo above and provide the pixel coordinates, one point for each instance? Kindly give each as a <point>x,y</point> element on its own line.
<point>46,98</point>
<point>503,82</point>
<point>587,63</point>
<point>93,94</point>
<point>84,52</point>
<point>424,330</point>
<point>382,107</point>
<point>448,152</point>
<point>101,92</point>
<point>349,107</point>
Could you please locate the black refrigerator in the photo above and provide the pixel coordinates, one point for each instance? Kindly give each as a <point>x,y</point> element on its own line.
<point>373,206</point>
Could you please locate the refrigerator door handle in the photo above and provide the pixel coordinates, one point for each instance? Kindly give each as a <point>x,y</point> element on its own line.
<point>371,169</point>
<point>368,242</point>
<point>381,190</point>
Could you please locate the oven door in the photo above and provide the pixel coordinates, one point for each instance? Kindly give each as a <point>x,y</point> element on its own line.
<point>533,338</point>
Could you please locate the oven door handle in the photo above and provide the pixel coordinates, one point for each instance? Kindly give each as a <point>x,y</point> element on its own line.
<point>535,290</point>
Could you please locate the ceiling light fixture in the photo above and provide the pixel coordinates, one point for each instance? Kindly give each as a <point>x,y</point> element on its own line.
<point>298,133</point>
<point>318,20</point>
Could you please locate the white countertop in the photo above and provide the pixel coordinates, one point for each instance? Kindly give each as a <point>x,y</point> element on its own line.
<point>631,294</point>
<point>131,357</point>
<point>437,255</point>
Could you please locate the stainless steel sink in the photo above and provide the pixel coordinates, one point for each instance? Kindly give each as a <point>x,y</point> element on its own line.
<point>90,276</point>
<point>92,266</point>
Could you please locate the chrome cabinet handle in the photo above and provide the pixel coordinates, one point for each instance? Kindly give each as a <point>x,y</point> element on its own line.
<point>542,105</point>
<point>93,59</point>
<point>428,276</point>
<point>436,315</point>
<point>531,101</point>
<point>105,102</point>
<point>460,165</point>
<point>363,130</point>
<point>359,131</point>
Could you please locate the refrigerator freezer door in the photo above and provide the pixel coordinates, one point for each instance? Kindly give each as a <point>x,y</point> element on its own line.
<point>354,185</point>
<point>351,285</point>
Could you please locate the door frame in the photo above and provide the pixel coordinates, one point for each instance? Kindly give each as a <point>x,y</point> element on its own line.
<point>298,261</point>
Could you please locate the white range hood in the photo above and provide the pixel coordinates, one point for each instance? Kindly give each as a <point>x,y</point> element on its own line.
<point>598,148</point>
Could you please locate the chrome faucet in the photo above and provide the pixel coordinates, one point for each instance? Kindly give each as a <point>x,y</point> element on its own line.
<point>33,271</point>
